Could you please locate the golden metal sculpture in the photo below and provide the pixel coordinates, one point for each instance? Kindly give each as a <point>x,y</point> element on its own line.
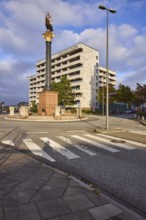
<point>48,35</point>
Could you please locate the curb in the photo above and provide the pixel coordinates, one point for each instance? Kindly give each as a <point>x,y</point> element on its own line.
<point>27,120</point>
<point>103,131</point>
<point>141,122</point>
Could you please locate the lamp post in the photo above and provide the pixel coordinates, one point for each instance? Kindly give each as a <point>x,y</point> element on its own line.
<point>107,63</point>
<point>103,98</point>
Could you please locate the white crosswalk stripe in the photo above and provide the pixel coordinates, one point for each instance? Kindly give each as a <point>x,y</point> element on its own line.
<point>35,149</point>
<point>9,142</point>
<point>128,141</point>
<point>138,132</point>
<point>122,145</point>
<point>99,145</point>
<point>59,148</point>
<point>79,147</point>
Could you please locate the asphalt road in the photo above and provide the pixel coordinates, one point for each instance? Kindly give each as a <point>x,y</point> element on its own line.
<point>114,166</point>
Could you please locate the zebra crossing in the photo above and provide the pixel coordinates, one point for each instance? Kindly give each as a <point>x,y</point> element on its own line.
<point>128,141</point>
<point>80,147</point>
<point>137,132</point>
<point>109,142</point>
<point>89,144</point>
<point>9,142</point>
<point>112,150</point>
<point>35,149</point>
<point>59,148</point>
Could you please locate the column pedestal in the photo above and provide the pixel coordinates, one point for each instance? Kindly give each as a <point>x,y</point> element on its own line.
<point>48,100</point>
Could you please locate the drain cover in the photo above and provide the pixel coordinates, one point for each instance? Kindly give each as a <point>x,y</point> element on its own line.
<point>118,141</point>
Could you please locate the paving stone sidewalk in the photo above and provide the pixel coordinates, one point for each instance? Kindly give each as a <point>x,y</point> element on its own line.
<point>30,190</point>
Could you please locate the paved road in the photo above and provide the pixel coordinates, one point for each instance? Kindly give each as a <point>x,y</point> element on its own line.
<point>117,167</point>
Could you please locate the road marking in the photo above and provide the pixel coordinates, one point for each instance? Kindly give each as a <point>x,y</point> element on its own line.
<point>37,132</point>
<point>109,142</point>
<point>112,150</point>
<point>80,147</point>
<point>9,142</point>
<point>35,149</point>
<point>128,141</point>
<point>77,131</point>
<point>59,148</point>
<point>138,132</point>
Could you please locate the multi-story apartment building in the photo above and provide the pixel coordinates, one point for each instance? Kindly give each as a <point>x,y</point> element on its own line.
<point>81,65</point>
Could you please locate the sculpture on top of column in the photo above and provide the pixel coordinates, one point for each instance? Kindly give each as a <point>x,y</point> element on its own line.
<point>48,22</point>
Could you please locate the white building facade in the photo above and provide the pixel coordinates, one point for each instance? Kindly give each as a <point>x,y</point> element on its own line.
<point>81,65</point>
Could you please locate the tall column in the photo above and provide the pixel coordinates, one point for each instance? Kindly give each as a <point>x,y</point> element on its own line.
<point>48,35</point>
<point>48,99</point>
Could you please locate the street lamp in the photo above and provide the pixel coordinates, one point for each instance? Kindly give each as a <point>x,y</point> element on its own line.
<point>107,63</point>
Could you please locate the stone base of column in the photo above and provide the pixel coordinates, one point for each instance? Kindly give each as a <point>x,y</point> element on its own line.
<point>48,100</point>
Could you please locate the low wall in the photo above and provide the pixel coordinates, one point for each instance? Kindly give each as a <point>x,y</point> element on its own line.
<point>17,116</point>
<point>38,117</point>
<point>62,117</point>
<point>68,117</point>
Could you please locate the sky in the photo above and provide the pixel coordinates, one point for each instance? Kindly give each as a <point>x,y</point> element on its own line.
<point>22,23</point>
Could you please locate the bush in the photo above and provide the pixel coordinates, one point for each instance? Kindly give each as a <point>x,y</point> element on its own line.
<point>70,109</point>
<point>142,114</point>
<point>73,110</point>
<point>34,108</point>
<point>91,112</point>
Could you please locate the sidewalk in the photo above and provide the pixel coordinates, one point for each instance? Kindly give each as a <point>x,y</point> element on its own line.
<point>142,122</point>
<point>30,190</point>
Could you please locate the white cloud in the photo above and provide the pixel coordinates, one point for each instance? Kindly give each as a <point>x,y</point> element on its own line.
<point>131,78</point>
<point>22,25</point>
<point>126,31</point>
<point>123,55</point>
<point>138,4</point>
<point>13,83</point>
<point>126,49</point>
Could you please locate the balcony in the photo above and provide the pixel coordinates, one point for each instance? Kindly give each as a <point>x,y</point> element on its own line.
<point>65,57</point>
<point>43,67</point>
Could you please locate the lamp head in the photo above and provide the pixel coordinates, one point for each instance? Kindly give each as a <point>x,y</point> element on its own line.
<point>112,11</point>
<point>102,7</point>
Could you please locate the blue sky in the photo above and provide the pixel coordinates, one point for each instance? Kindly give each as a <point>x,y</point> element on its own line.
<point>21,42</point>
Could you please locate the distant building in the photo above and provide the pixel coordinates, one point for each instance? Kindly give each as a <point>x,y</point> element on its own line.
<point>22,104</point>
<point>81,65</point>
<point>1,107</point>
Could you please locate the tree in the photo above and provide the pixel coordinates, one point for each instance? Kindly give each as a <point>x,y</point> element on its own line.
<point>102,97</point>
<point>34,107</point>
<point>140,94</point>
<point>65,96</point>
<point>125,94</point>
<point>102,92</point>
